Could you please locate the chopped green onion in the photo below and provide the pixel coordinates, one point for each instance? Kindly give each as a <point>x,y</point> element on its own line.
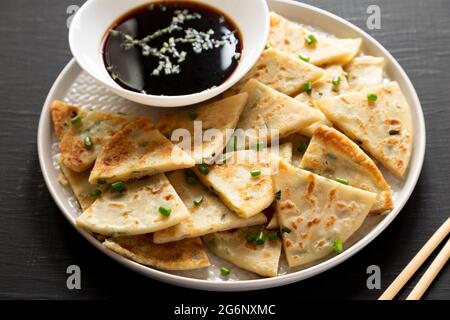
<point>285,230</point>
<point>225,158</point>
<point>303,147</point>
<point>330,156</point>
<point>234,143</point>
<point>190,176</point>
<point>203,168</point>
<point>198,200</point>
<point>343,181</point>
<point>255,173</point>
<point>394,132</point>
<point>260,238</point>
<point>266,47</point>
<point>310,40</point>
<point>101,181</point>
<point>259,145</point>
<point>307,87</point>
<point>76,120</point>
<point>336,80</point>
<point>250,237</point>
<point>88,142</point>
<point>278,195</point>
<point>338,246</point>
<point>304,58</point>
<point>192,115</point>
<point>95,193</point>
<point>165,211</point>
<point>224,271</point>
<point>118,186</point>
<point>372,97</point>
<point>273,235</point>
<point>120,113</point>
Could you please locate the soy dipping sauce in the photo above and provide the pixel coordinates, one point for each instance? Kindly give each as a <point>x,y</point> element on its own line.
<point>172,48</point>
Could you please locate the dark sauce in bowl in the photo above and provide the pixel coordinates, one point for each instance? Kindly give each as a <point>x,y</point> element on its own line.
<point>172,48</point>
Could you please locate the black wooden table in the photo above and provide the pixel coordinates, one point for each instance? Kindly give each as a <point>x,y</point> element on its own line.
<point>37,243</point>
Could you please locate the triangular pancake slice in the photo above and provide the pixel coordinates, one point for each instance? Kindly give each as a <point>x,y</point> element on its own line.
<point>84,192</point>
<point>324,87</point>
<point>268,109</point>
<point>186,254</point>
<point>82,133</point>
<point>292,38</point>
<point>314,212</point>
<point>332,155</point>
<point>333,83</point>
<point>243,182</point>
<point>293,156</point>
<point>234,247</point>
<point>207,213</point>
<point>379,118</point>
<point>144,206</point>
<point>220,116</point>
<point>364,72</point>
<point>138,150</point>
<point>281,71</point>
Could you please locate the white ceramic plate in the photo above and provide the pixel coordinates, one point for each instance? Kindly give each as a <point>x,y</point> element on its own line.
<point>75,86</point>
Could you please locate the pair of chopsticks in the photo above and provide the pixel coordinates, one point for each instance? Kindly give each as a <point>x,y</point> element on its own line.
<point>418,260</point>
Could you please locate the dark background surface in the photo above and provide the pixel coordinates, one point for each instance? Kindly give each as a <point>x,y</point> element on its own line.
<point>37,243</point>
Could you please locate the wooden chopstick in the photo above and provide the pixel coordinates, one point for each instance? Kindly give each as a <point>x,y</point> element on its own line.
<point>416,262</point>
<point>431,273</point>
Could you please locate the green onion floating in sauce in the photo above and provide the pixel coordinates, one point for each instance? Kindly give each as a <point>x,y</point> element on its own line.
<point>203,168</point>
<point>343,181</point>
<point>118,186</point>
<point>338,247</point>
<point>304,58</point>
<point>165,211</point>
<point>255,173</point>
<point>310,40</point>
<point>88,142</point>
<point>224,271</point>
<point>95,193</point>
<point>372,97</point>
<point>198,200</point>
<point>307,87</point>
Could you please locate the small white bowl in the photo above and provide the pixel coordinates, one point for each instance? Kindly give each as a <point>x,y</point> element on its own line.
<point>93,19</point>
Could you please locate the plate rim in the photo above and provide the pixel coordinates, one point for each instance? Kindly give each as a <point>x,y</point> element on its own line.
<point>254,284</point>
